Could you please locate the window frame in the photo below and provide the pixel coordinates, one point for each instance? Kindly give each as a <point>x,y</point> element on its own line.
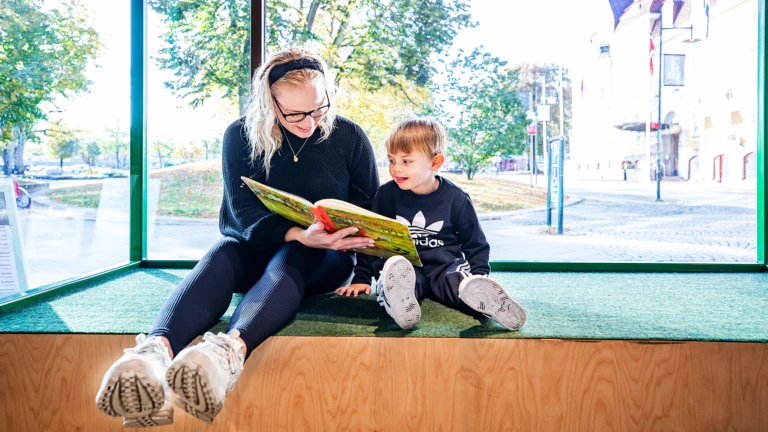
<point>138,177</point>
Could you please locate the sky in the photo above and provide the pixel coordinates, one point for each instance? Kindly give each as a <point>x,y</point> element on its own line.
<point>514,30</point>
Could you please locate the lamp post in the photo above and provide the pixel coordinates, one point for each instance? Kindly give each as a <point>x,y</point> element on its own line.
<point>691,39</point>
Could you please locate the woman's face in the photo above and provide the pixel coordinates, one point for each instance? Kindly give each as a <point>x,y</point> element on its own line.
<point>299,99</point>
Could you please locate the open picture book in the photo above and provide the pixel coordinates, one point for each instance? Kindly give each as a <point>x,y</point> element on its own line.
<point>391,236</point>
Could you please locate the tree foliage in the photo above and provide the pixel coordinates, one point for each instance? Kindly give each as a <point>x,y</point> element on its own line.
<point>44,50</point>
<point>63,142</point>
<point>89,152</point>
<point>115,143</point>
<point>481,109</point>
<point>163,150</point>
<point>372,43</point>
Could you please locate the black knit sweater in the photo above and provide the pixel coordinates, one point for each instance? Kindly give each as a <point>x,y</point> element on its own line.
<point>341,167</point>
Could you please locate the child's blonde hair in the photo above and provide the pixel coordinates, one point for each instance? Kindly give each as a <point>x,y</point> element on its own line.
<point>419,134</point>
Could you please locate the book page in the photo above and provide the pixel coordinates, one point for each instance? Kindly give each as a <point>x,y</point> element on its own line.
<point>390,236</point>
<point>345,206</point>
<point>287,205</point>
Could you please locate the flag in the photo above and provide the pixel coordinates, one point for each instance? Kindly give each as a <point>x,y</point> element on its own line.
<point>651,52</point>
<point>706,13</point>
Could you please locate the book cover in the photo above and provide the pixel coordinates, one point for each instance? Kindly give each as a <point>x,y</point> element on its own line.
<point>391,237</point>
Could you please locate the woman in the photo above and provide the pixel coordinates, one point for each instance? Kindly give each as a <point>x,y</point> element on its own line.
<point>290,139</point>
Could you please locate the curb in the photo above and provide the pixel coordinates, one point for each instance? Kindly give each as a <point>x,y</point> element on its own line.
<point>500,215</point>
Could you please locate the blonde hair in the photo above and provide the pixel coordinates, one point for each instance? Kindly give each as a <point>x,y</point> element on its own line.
<point>419,134</point>
<point>261,122</point>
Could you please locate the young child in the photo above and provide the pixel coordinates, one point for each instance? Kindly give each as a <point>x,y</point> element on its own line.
<point>445,229</point>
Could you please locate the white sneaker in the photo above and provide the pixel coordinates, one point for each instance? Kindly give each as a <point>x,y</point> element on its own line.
<point>161,417</point>
<point>396,289</point>
<point>135,388</point>
<point>488,297</point>
<point>203,375</point>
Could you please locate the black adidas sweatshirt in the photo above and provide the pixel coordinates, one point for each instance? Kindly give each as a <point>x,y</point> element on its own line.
<point>443,225</point>
<point>341,167</point>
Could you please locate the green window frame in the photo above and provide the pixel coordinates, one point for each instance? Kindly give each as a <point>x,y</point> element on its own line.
<point>138,177</point>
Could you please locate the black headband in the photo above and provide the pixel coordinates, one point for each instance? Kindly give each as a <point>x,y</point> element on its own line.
<point>278,71</point>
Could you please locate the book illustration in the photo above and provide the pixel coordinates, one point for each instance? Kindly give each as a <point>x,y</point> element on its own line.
<point>390,236</point>
<point>289,206</point>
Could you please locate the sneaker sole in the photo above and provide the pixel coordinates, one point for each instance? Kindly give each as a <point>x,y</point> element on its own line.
<point>161,417</point>
<point>400,279</point>
<point>489,298</point>
<point>193,391</point>
<point>130,393</point>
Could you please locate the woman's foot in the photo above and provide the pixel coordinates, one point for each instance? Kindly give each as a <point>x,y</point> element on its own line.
<point>135,388</point>
<point>396,290</point>
<point>203,375</point>
<point>488,297</point>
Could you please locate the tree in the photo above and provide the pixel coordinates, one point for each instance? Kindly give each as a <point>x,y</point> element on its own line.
<point>480,105</point>
<point>163,150</point>
<point>89,152</point>
<point>188,151</point>
<point>63,143</point>
<point>115,143</point>
<point>212,148</point>
<point>44,50</point>
<point>376,43</point>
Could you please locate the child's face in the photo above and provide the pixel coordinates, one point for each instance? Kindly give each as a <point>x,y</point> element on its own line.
<point>414,171</point>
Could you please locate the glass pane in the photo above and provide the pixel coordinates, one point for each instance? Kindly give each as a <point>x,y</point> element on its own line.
<point>659,136</point>
<point>197,83</point>
<point>64,130</point>
<point>497,88</point>
<point>627,137</point>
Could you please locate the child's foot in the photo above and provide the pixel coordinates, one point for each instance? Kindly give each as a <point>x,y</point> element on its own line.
<point>396,292</point>
<point>203,375</point>
<point>488,297</point>
<point>134,387</point>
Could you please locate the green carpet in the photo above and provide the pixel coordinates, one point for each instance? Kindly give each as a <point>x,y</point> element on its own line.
<point>658,306</point>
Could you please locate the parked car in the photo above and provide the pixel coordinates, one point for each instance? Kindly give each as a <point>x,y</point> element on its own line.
<point>76,169</point>
<point>36,169</point>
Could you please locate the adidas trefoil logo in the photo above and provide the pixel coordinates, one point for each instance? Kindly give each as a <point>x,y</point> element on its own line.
<point>419,230</point>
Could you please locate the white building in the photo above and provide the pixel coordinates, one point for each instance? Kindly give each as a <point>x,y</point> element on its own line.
<point>708,123</point>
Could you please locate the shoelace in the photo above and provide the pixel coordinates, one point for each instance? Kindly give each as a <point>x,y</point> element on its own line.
<point>151,346</point>
<point>226,350</point>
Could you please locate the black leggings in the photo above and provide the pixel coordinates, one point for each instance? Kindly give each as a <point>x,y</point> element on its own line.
<point>274,285</point>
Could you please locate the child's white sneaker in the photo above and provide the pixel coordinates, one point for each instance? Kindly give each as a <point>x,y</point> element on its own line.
<point>203,375</point>
<point>488,297</point>
<point>135,388</point>
<point>396,290</point>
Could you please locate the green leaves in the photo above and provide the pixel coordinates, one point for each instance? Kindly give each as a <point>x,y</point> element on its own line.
<point>374,43</point>
<point>44,52</point>
<point>480,105</point>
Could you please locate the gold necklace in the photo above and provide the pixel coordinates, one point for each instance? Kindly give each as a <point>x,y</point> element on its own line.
<point>295,154</point>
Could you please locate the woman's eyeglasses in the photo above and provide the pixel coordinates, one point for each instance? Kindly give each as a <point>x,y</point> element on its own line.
<point>300,116</point>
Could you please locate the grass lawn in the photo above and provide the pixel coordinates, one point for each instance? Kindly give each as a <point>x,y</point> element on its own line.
<point>194,190</point>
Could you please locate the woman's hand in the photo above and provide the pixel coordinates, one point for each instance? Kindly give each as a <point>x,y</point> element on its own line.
<point>353,289</point>
<point>315,236</point>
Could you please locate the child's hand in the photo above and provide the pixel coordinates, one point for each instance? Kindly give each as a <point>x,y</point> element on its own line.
<point>353,289</point>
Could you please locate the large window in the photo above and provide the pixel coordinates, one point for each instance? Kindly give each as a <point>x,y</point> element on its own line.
<point>653,171</point>
<point>198,76</point>
<point>64,119</point>
<point>656,104</point>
